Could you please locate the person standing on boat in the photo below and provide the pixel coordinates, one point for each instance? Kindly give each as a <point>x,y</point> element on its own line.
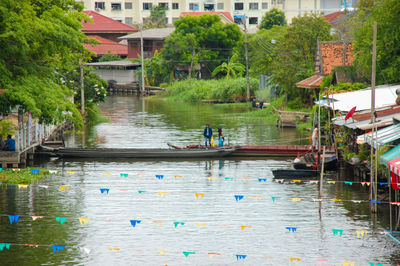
<point>221,137</point>
<point>314,138</point>
<point>208,134</point>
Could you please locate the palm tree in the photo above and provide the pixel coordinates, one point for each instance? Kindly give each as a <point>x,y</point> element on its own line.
<point>231,68</point>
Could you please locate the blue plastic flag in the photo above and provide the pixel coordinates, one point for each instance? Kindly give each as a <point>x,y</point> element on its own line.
<point>291,229</point>
<point>13,218</point>
<point>34,171</point>
<point>187,253</point>
<point>239,197</point>
<point>240,257</point>
<point>1,169</point>
<point>160,177</point>
<point>375,201</point>
<point>4,245</point>
<point>262,180</point>
<point>337,232</point>
<point>383,183</point>
<point>61,219</point>
<point>348,183</point>
<point>104,190</point>
<point>57,248</point>
<point>134,222</point>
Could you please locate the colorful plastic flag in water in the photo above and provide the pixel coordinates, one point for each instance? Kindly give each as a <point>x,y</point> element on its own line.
<point>86,250</point>
<point>141,191</point>
<point>199,195</point>
<point>280,181</point>
<point>53,171</point>
<point>291,229</point>
<point>22,186</point>
<point>32,245</point>
<point>383,183</point>
<point>135,222</point>
<point>162,252</point>
<point>140,175</point>
<point>187,253</point>
<point>57,248</point>
<point>239,197</point>
<point>201,224</point>
<point>34,218</point>
<point>177,223</point>
<point>158,223</point>
<point>106,173</point>
<point>336,200</point>
<point>228,178</point>
<point>294,259</point>
<point>348,263</point>
<point>296,181</point>
<point>375,201</point>
<point>240,257</point>
<point>178,176</point>
<point>365,183</point>
<point>296,199</point>
<point>4,245</point>
<point>162,193</point>
<point>116,249</point>
<point>70,172</point>
<point>44,186</point>
<point>124,174</point>
<point>313,181</point>
<point>211,178</point>
<point>257,197</point>
<point>275,198</point>
<point>83,220</point>
<point>212,254</point>
<point>395,203</point>
<point>62,188</point>
<point>348,183</point>
<point>245,226</point>
<point>13,218</point>
<point>61,219</point>
<point>160,177</point>
<point>375,264</point>
<point>262,180</point>
<point>356,201</point>
<point>246,179</point>
<point>361,233</point>
<point>337,232</point>
<point>104,190</point>
<point>317,199</point>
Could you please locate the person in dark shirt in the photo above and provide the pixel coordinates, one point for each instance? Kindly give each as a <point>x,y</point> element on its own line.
<point>207,134</point>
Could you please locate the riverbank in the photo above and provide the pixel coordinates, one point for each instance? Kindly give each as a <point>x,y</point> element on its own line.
<point>23,176</point>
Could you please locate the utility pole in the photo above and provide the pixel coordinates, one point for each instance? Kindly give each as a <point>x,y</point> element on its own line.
<point>82,89</point>
<point>373,178</point>
<point>247,58</point>
<point>142,56</point>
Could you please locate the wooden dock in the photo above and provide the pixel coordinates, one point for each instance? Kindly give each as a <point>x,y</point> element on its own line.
<point>290,119</point>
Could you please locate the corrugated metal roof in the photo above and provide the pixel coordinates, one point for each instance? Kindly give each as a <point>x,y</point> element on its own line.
<point>382,136</point>
<point>150,34</point>
<point>122,63</point>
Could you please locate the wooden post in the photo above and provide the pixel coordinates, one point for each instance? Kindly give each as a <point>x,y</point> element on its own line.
<point>247,59</point>
<point>321,177</point>
<point>373,187</point>
<point>82,89</point>
<point>142,56</point>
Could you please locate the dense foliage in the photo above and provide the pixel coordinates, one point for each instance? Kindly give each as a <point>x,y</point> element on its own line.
<point>203,40</point>
<point>386,14</point>
<point>273,17</point>
<point>232,68</point>
<point>157,18</point>
<point>192,90</point>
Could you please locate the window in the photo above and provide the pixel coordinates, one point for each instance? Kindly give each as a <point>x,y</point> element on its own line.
<point>253,6</point>
<point>253,20</point>
<point>128,20</point>
<point>209,7</point>
<point>147,6</point>
<point>164,5</point>
<point>220,6</point>
<point>115,6</point>
<point>99,5</point>
<point>175,5</point>
<point>128,5</point>
<point>148,45</point>
<point>264,5</point>
<point>194,6</point>
<point>238,6</point>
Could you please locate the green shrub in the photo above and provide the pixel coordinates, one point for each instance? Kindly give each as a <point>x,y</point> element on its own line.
<point>6,128</point>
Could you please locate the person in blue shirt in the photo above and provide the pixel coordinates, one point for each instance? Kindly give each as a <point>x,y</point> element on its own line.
<point>10,144</point>
<point>207,134</point>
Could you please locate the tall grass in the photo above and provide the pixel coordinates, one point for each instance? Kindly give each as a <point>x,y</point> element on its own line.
<point>193,90</point>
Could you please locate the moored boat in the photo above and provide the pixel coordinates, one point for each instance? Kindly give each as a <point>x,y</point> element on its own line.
<point>309,161</point>
<point>294,173</point>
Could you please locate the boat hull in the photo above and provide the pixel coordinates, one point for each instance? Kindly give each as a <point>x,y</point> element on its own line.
<point>292,173</point>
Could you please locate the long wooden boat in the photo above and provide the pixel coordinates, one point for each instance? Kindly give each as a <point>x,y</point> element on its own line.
<point>294,173</point>
<point>309,161</point>
<point>141,153</point>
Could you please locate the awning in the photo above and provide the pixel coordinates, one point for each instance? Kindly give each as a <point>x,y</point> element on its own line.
<point>390,155</point>
<point>313,82</point>
<point>394,167</point>
<point>381,137</point>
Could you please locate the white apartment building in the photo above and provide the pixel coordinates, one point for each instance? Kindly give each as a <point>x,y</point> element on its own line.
<point>133,11</point>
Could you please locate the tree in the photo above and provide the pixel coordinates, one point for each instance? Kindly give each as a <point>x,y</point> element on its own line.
<point>295,54</point>
<point>385,13</point>
<point>157,18</point>
<point>204,39</point>
<point>231,68</point>
<point>273,17</point>
<point>109,57</point>
<point>41,41</point>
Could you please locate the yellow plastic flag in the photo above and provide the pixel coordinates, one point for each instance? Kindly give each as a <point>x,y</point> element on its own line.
<point>162,193</point>
<point>245,226</point>
<point>22,186</point>
<point>336,200</point>
<point>348,263</point>
<point>158,223</point>
<point>331,182</point>
<point>246,179</point>
<point>199,195</point>
<point>34,218</point>
<point>361,233</point>
<point>212,142</point>
<point>162,252</point>
<point>296,181</point>
<point>140,175</point>
<point>62,188</point>
<point>106,173</point>
<point>84,220</point>
<point>294,259</point>
<point>116,249</point>
<point>210,178</point>
<point>201,224</point>
<point>177,176</point>
<point>257,197</point>
<point>70,172</point>
<point>212,254</point>
<point>296,199</point>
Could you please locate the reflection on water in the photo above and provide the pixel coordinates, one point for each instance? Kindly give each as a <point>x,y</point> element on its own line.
<point>192,208</point>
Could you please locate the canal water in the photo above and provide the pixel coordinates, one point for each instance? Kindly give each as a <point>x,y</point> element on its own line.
<point>185,212</point>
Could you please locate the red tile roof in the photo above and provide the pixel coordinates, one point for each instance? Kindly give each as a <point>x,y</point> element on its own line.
<point>394,109</point>
<point>333,17</point>
<point>106,46</point>
<point>198,14</point>
<point>104,24</point>
<point>313,82</point>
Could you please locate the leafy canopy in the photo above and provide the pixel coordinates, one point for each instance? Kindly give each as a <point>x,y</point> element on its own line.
<point>273,17</point>
<point>231,68</point>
